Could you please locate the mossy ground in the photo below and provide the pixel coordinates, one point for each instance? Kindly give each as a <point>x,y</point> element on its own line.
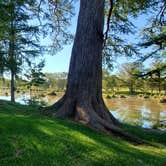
<point>29,139</point>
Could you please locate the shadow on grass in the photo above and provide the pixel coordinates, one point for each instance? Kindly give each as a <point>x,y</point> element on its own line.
<point>151,135</point>
<point>47,142</point>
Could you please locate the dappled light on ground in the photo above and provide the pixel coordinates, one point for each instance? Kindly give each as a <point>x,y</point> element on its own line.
<point>27,138</point>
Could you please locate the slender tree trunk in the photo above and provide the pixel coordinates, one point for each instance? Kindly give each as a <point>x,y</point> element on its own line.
<point>159,82</point>
<point>83,100</point>
<point>12,58</point>
<point>12,87</point>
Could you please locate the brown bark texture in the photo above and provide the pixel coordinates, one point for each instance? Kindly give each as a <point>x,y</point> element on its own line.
<point>83,100</point>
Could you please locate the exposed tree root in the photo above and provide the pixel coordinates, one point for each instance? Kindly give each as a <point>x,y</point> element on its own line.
<point>92,112</point>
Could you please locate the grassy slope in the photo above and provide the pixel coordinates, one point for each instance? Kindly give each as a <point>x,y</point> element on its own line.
<point>28,139</point>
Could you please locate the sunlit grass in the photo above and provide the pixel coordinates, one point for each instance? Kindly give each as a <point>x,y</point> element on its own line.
<point>29,139</point>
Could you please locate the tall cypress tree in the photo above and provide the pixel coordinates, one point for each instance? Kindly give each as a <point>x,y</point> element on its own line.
<point>83,100</point>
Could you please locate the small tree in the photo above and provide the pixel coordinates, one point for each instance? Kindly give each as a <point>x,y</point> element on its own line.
<point>35,75</point>
<point>129,73</point>
<point>23,23</point>
<point>155,76</point>
<point>109,81</point>
<point>17,37</point>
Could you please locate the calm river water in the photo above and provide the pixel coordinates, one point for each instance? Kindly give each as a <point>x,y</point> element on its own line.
<point>138,111</point>
<point>132,110</point>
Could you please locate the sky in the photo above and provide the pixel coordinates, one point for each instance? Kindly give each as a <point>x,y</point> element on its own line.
<point>60,61</point>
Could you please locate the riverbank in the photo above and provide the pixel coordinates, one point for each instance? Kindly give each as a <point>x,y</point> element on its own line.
<point>28,138</point>
<point>160,97</point>
<point>135,110</point>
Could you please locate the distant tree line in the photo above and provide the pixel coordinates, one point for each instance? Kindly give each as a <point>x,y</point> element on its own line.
<point>37,79</point>
<point>135,78</point>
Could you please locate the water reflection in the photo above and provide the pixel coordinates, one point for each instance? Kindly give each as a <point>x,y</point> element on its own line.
<point>134,110</point>
<point>19,98</point>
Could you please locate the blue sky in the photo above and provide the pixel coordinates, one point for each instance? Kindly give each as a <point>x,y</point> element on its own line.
<point>60,61</point>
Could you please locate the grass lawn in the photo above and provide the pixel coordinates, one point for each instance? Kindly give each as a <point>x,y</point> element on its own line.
<point>29,139</point>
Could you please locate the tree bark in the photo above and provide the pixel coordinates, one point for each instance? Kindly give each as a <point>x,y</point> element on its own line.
<point>12,59</point>
<point>12,87</point>
<point>83,100</point>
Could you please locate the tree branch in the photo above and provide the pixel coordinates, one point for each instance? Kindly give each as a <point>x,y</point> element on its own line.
<point>160,15</point>
<point>108,22</point>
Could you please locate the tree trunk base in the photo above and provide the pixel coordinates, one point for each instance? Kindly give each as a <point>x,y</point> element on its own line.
<point>89,111</point>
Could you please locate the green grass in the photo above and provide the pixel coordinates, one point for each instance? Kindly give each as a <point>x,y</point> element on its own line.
<point>29,139</point>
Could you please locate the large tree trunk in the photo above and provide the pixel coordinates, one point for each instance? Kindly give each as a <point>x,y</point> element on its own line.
<point>83,100</point>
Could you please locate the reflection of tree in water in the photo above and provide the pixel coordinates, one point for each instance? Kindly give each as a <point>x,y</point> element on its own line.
<point>138,111</point>
<point>145,119</point>
<point>158,111</point>
<point>126,109</point>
